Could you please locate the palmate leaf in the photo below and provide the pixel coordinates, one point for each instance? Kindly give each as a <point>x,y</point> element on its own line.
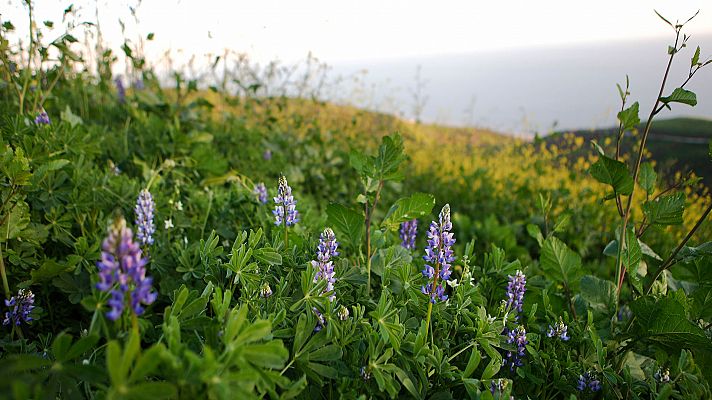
<point>408,208</point>
<point>665,210</point>
<point>614,173</point>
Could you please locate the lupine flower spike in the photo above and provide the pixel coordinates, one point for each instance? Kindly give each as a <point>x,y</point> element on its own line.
<point>285,211</point>
<point>19,308</point>
<point>323,264</point>
<point>588,380</point>
<point>515,292</point>
<point>145,208</point>
<point>438,256</point>
<point>42,118</point>
<point>408,231</point>
<point>285,206</point>
<point>120,89</point>
<point>122,272</point>
<point>518,337</point>
<point>261,192</point>
<point>559,330</point>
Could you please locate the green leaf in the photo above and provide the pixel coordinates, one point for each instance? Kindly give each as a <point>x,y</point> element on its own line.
<point>330,352</point>
<point>113,363</point>
<point>629,117</point>
<point>390,156</point>
<point>647,178</point>
<point>473,362</point>
<point>50,269</point>
<point>665,210</point>
<point>614,173</point>
<point>268,256</point>
<point>267,355</point>
<point>599,293</point>
<point>535,232</point>
<point>348,223</point>
<point>559,263</point>
<point>68,116</point>
<point>680,95</point>
<point>152,391</point>
<point>695,58</point>
<point>416,206</point>
<point>665,321</point>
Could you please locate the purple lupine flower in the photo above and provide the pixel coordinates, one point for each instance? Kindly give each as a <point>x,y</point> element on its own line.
<point>518,337</point>
<point>120,89</point>
<point>438,255</point>
<point>267,155</point>
<point>320,321</point>
<point>261,192</point>
<point>122,272</point>
<point>138,84</point>
<point>20,307</point>
<point>515,291</point>
<point>323,264</point>
<point>42,118</point>
<point>285,205</point>
<point>588,380</point>
<point>145,208</point>
<point>559,330</point>
<point>408,231</point>
<point>365,374</point>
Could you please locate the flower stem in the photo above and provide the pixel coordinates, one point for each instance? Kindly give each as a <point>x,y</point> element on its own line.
<point>427,319</point>
<point>5,285</point>
<point>286,236</point>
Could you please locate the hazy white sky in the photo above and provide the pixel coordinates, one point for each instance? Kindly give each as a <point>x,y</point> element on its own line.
<point>339,31</point>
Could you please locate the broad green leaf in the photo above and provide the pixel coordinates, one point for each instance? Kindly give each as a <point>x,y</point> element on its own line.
<point>680,95</point>
<point>647,177</point>
<point>614,173</point>
<point>16,222</point>
<point>362,163</point>
<point>665,321</point>
<point>629,117</point>
<point>666,209</point>
<point>416,206</point>
<point>390,156</point>
<point>600,294</point>
<point>535,232</point>
<point>348,223</point>
<point>559,262</point>
<point>50,269</point>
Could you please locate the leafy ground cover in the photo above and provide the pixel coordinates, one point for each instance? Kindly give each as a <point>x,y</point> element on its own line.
<point>181,242</point>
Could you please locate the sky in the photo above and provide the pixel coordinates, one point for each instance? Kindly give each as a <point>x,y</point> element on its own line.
<point>340,31</point>
<point>486,63</point>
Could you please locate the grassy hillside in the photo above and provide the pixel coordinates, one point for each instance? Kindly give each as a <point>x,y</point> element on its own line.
<point>677,145</point>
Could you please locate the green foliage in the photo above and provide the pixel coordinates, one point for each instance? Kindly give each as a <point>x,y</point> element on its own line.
<point>614,173</point>
<point>240,315</point>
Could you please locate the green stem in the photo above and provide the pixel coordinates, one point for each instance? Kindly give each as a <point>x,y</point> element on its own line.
<point>5,285</point>
<point>620,270</point>
<point>286,236</point>
<point>427,319</point>
<point>369,215</point>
